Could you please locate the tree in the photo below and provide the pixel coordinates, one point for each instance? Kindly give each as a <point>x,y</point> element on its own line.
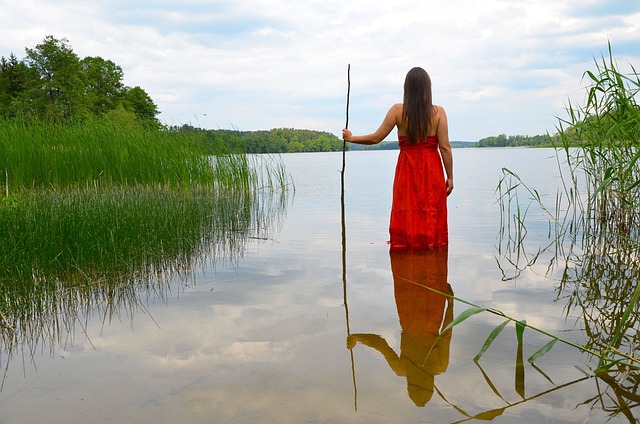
<point>15,78</point>
<point>53,83</point>
<point>5,96</point>
<point>58,94</point>
<point>515,140</point>
<point>104,89</point>
<point>138,101</point>
<point>279,140</point>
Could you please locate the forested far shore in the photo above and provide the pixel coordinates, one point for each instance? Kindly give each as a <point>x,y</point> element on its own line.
<point>503,140</point>
<point>292,140</point>
<point>393,145</point>
<point>276,140</point>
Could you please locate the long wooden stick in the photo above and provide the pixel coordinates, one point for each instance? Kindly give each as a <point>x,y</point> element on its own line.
<point>344,246</point>
<point>346,125</point>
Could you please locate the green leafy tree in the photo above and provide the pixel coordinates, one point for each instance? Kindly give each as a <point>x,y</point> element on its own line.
<point>15,78</point>
<point>104,89</point>
<point>53,83</point>
<point>59,89</point>
<point>138,101</point>
<point>5,96</point>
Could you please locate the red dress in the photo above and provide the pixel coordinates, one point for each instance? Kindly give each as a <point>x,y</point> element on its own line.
<point>419,209</point>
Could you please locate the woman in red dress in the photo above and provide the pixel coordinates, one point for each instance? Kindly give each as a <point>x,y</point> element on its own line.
<point>420,189</point>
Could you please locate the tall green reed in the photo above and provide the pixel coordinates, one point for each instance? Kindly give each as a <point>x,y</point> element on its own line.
<point>606,131</point>
<point>97,216</point>
<point>98,152</point>
<point>593,226</point>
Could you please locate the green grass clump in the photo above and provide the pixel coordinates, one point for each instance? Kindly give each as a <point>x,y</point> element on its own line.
<point>120,229</point>
<point>96,216</point>
<point>606,165</point>
<point>103,153</point>
<point>76,237</point>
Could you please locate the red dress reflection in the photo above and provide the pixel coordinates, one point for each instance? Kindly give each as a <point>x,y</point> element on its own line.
<point>423,313</point>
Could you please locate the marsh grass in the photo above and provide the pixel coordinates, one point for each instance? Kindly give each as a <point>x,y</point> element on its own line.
<point>98,218</point>
<point>98,153</point>
<point>607,131</point>
<point>56,233</point>
<point>77,196</point>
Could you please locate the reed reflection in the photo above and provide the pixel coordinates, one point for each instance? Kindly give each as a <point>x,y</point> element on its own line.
<point>591,251</point>
<point>423,312</point>
<point>78,256</point>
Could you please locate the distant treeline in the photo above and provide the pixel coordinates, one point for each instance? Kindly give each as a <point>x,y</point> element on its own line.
<point>393,145</point>
<point>503,140</point>
<point>277,140</point>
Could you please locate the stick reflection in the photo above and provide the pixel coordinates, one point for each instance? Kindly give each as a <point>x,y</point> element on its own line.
<point>423,314</point>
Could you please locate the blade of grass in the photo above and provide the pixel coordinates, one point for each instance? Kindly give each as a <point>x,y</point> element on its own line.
<point>494,334</point>
<point>464,316</point>
<point>542,351</point>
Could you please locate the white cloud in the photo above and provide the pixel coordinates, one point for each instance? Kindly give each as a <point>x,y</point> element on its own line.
<point>497,66</point>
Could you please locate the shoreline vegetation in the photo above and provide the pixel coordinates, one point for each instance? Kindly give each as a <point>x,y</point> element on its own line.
<point>291,140</point>
<point>95,217</point>
<point>501,140</point>
<point>274,141</point>
<point>101,206</point>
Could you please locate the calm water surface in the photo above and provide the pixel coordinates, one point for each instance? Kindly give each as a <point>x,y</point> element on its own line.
<point>263,338</point>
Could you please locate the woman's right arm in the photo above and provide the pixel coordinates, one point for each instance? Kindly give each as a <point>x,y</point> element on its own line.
<point>444,146</point>
<point>394,115</point>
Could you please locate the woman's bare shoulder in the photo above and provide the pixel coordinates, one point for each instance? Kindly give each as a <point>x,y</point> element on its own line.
<point>439,109</point>
<point>397,111</point>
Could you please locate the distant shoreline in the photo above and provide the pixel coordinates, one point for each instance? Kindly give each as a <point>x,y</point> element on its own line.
<point>393,145</point>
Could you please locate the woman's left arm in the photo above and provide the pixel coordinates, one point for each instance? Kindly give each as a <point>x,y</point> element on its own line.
<point>445,147</point>
<point>390,121</point>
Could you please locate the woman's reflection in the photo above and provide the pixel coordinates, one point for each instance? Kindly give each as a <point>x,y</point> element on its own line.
<point>424,350</point>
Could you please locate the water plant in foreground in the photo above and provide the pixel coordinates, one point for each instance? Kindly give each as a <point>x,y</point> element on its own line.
<point>590,245</point>
<point>615,376</point>
<point>80,253</point>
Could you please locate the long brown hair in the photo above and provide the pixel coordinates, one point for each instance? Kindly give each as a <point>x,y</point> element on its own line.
<point>418,103</point>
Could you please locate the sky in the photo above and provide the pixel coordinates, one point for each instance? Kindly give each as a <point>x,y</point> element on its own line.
<point>497,66</point>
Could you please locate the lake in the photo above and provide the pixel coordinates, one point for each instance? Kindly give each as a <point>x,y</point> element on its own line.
<point>262,338</point>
